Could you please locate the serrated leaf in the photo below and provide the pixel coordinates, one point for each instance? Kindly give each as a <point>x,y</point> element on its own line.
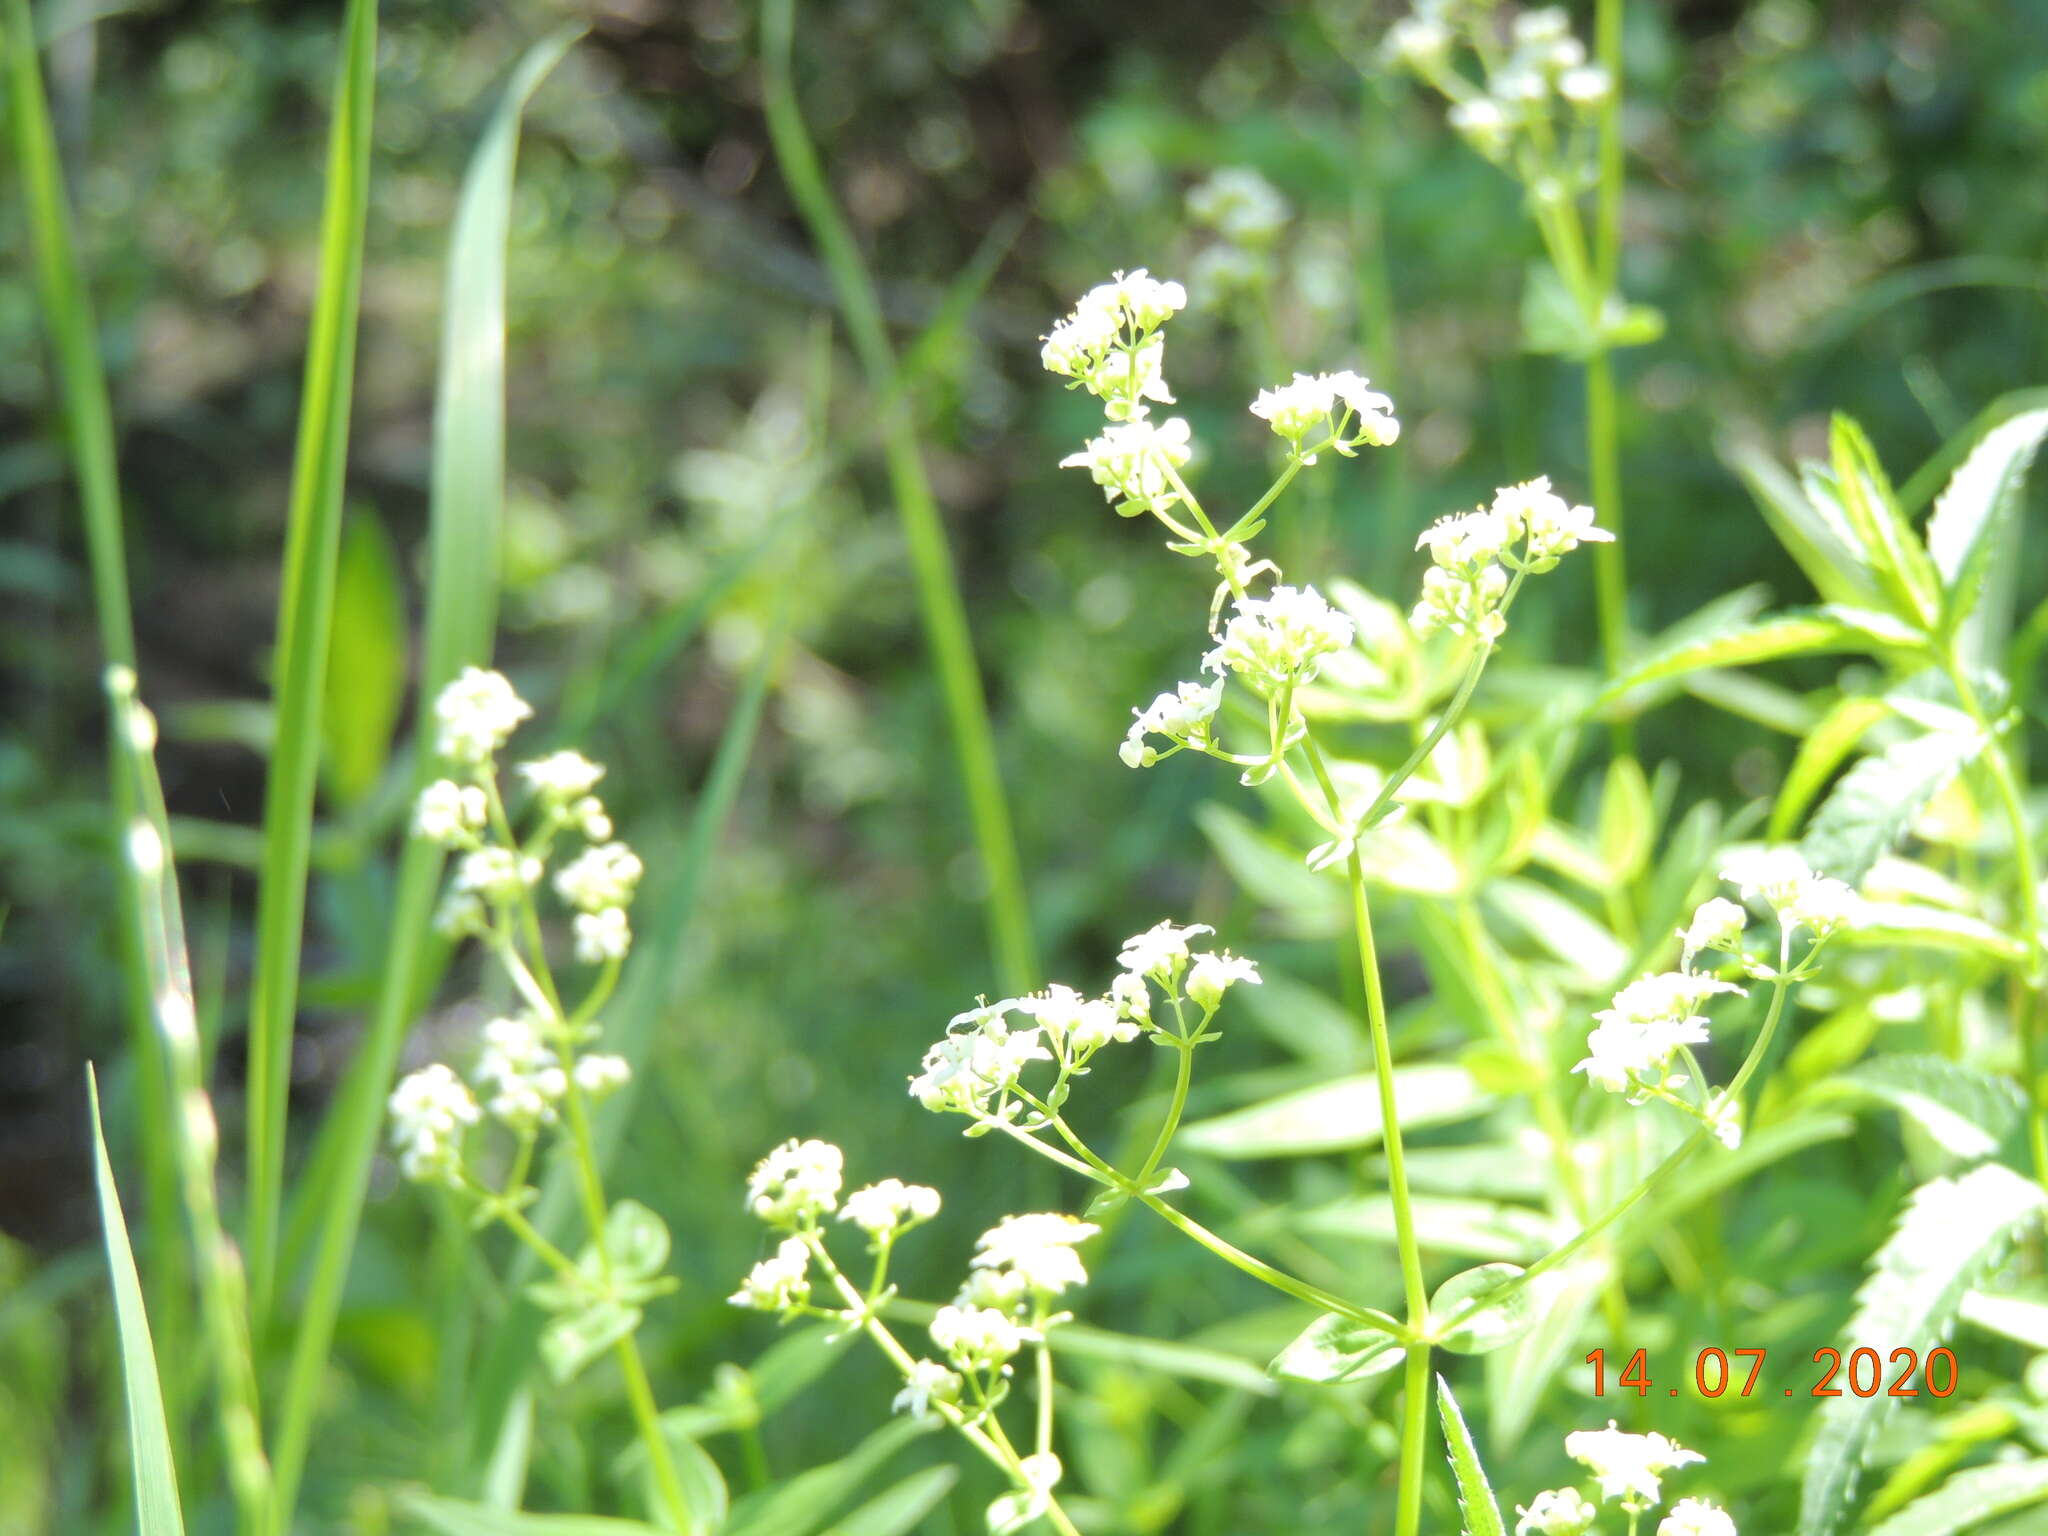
<point>1334,1348</point>
<point>1978,500</point>
<point>1783,634</point>
<point>1475,1495</point>
<point>1971,1497</point>
<point>1824,750</point>
<point>1477,1326</point>
<point>1967,1110</point>
<point>1876,802</point>
<point>1901,564</point>
<point>1950,1232</point>
<point>1337,1116</point>
<point>1810,526</point>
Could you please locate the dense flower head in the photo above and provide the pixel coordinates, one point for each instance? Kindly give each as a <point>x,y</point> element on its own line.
<point>1108,346</point>
<point>1343,404</point>
<point>1282,638</point>
<point>1696,1517</point>
<point>429,1110</point>
<point>1466,541</point>
<point>1666,997</point>
<point>979,1338</point>
<point>1132,997</point>
<point>1481,122</point>
<point>1551,525</point>
<point>475,715</point>
<point>925,1383</point>
<point>603,936</point>
<point>496,875</point>
<point>1586,85</point>
<point>1081,1025</point>
<point>451,814</point>
<point>1160,952</point>
<point>1464,605</point>
<point>779,1283</point>
<point>1417,41</point>
<point>561,776</point>
<point>522,1073</point>
<point>884,1209</point>
<point>1627,1466</point>
<point>599,1075</point>
<point>1555,1512</point>
<point>599,877</point>
<point>1783,881</point>
<point>1133,463</point>
<point>796,1183</point>
<point>1240,205</point>
<point>1037,1250</point>
<point>1716,924</point>
<point>964,1072</point>
<point>1183,717</point>
<point>1212,975</point>
<point>1642,1029</point>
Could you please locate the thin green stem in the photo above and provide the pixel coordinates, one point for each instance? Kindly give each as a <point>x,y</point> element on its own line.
<point>1416,1382</point>
<point>1603,450</point>
<point>943,611</point>
<point>1183,1075</point>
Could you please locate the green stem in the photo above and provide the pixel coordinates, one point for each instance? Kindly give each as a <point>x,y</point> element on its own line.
<point>944,613</point>
<point>1183,1075</point>
<point>1414,1440</point>
<point>1603,452</point>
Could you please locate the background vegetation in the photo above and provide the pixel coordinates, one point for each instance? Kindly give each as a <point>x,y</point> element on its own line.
<point>1835,207</point>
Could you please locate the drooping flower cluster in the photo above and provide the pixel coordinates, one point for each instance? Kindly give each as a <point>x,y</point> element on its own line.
<point>977,1069</point>
<point>1531,95</point>
<point>531,1061</point>
<point>1526,530</point>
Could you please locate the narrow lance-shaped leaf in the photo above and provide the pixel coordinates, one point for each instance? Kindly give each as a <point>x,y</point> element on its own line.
<point>1825,748</point>
<point>1974,512</point>
<point>1951,1231</point>
<point>1902,565</point>
<point>1969,1498</point>
<point>1475,1495</point>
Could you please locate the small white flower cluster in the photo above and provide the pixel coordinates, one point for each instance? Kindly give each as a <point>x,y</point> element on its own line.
<point>1021,1266</point>
<point>1248,215</point>
<point>1343,405</point>
<point>521,1077</point>
<point>780,1283</point>
<point>1109,345</point>
<point>978,1067</point>
<point>1544,68</point>
<point>887,1210</point>
<point>1528,528</point>
<point>1134,461</point>
<point>1183,717</point>
<point>1630,1468</point>
<point>1279,641</point>
<point>797,1184</point>
<point>477,714</point>
<point>1782,880</point>
<point>1631,1048</point>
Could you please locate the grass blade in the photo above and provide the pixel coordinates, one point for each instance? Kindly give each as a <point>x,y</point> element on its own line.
<point>466,516</point>
<point>149,1437</point>
<point>304,622</point>
<point>939,601</point>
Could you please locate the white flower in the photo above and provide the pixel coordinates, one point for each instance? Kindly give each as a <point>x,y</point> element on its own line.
<point>429,1109</point>
<point>1132,461</point>
<point>1132,997</point>
<point>1717,924</point>
<point>476,714</point>
<point>1555,1512</point>
<point>1037,1249</point>
<point>599,877</point>
<point>884,1209</point>
<point>796,1183</point>
<point>1182,717</point>
<point>1724,1119</point>
<point>1465,541</point>
<point>1239,204</point>
<point>1107,344</point>
<point>1464,605</point>
<point>1296,409</point>
<point>1282,638</point>
<point>1782,880</point>
<point>602,936</point>
<point>780,1282</point>
<point>1212,975</point>
<point>601,1076</point>
<point>1644,1027</point>
<point>1416,41</point>
<point>1482,123</point>
<point>1666,997</point>
<point>461,915</point>
<point>450,814</point>
<point>522,1071</point>
<point>1147,302</point>
<point>1313,401</point>
<point>497,875</point>
<point>978,1338</point>
<point>925,1383</point>
<point>1587,85</point>
<point>1160,952</point>
<point>562,776</point>
<point>588,817</point>
<point>980,1058</point>
<point>1696,1517</point>
<point>1082,1024</point>
<point>1627,1466</point>
<point>1552,526</point>
<point>1374,412</point>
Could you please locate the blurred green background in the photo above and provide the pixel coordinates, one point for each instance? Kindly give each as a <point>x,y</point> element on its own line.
<point>1837,206</point>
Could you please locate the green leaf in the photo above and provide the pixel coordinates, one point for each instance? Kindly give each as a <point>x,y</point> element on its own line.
<point>305,617</point>
<point>637,1240</point>
<point>899,1509</point>
<point>1309,905</point>
<point>1624,828</point>
<point>705,1498</point>
<point>1334,1348</point>
<point>1880,924</point>
<point>573,1339</point>
<point>1469,1324</point>
<point>365,663</point>
<point>1569,934</point>
<point>1980,501</point>
<point>2023,1319</point>
<point>1518,1376</point>
<point>1951,1231</point>
<point>1808,521</point>
<point>1967,1110</point>
<point>1555,323</point>
<point>458,1517</point>
<point>1475,1495</point>
<point>1479,1229</point>
<point>803,1503</point>
<point>1783,634</point>
<point>1902,566</point>
<point>1825,748</point>
<point>149,1439</point>
<point>1875,803</point>
<point>1971,1497</point>
<point>1337,1116</point>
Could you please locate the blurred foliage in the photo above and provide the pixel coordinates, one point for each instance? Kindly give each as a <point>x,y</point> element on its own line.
<point>1837,206</point>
